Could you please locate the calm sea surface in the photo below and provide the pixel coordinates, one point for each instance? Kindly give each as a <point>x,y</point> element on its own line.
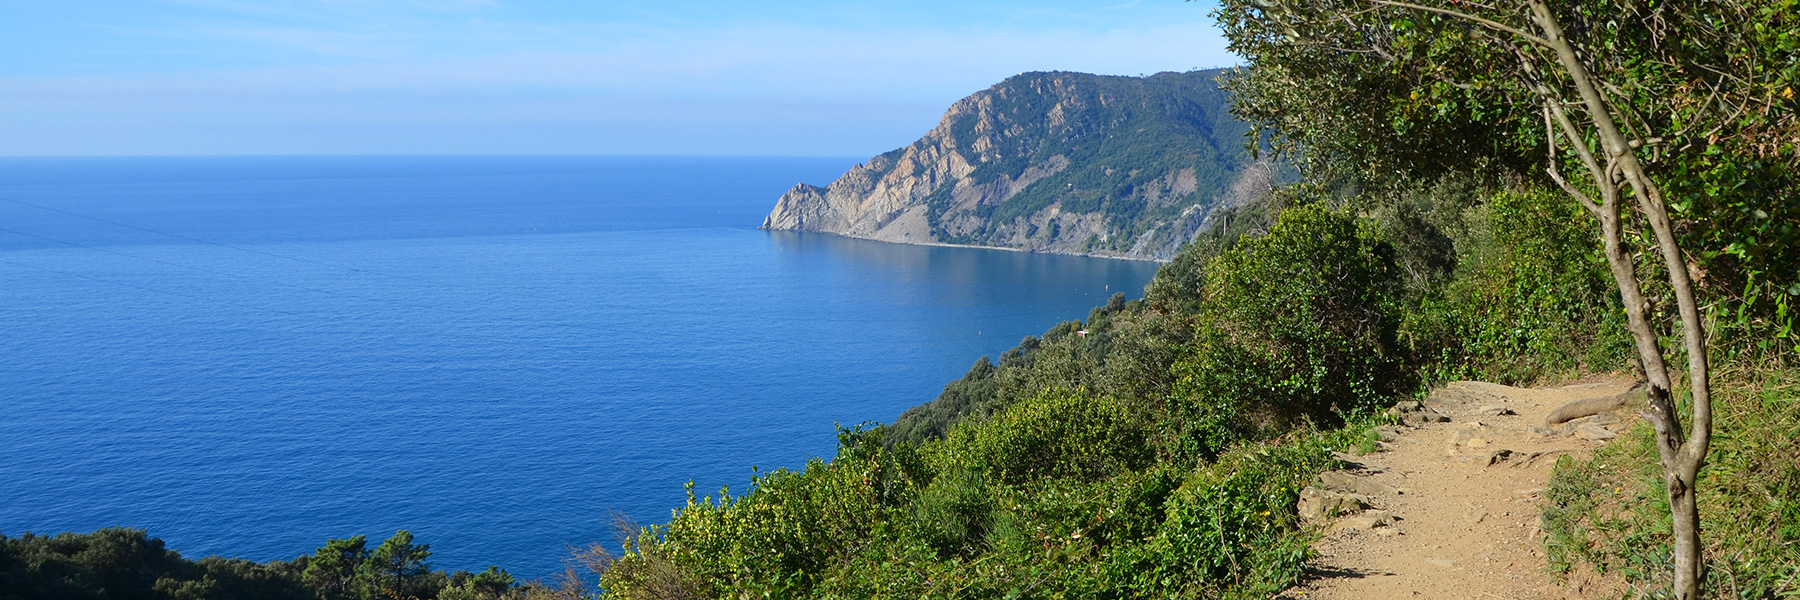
<point>247,356</point>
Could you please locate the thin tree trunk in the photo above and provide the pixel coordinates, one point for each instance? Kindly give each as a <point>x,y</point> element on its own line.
<point>1681,459</point>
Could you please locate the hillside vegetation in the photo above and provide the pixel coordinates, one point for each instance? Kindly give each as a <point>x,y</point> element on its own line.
<point>1160,455</point>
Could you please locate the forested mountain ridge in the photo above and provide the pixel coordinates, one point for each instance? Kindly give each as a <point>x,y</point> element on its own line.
<point>1050,161</point>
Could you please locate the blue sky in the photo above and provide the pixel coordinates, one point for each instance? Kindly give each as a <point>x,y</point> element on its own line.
<point>846,78</point>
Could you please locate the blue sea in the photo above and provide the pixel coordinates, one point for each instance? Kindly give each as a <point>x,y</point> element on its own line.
<point>249,356</point>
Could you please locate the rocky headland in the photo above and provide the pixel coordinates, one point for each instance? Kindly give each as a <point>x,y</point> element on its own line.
<point>1128,167</point>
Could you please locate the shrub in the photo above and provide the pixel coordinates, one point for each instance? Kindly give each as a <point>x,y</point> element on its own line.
<point>1532,298</point>
<point>1298,324</point>
<point>953,513</point>
<point>1055,434</point>
<point>1230,529</point>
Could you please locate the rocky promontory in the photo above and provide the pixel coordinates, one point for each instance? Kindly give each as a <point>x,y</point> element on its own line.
<point>1053,162</point>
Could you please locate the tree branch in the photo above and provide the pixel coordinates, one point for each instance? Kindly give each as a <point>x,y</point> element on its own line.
<point>1489,23</point>
<point>1550,165</point>
<point>1586,202</point>
<point>1576,143</point>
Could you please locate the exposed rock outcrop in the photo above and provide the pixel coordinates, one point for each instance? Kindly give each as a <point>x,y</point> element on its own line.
<point>1052,162</point>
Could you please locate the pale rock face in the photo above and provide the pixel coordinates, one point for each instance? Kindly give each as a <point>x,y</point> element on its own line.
<point>891,197</point>
<point>883,198</point>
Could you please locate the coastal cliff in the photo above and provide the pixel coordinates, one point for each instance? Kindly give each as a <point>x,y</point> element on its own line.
<point>1051,162</point>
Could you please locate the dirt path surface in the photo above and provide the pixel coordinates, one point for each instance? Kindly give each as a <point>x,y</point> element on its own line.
<point>1453,498</point>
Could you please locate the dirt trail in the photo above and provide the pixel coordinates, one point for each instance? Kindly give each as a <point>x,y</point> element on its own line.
<point>1454,505</point>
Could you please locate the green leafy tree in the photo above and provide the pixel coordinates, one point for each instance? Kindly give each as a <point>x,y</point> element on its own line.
<point>335,569</point>
<point>492,582</point>
<point>1641,99</point>
<point>240,579</point>
<point>205,588</point>
<point>112,563</point>
<point>394,570</point>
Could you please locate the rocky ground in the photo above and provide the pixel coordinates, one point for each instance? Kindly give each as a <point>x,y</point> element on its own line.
<point>1449,505</point>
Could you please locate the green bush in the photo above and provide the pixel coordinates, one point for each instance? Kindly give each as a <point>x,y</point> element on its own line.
<point>954,512</point>
<point>1056,434</point>
<point>1297,324</point>
<point>783,535</point>
<point>1741,227</point>
<point>1532,297</point>
<point>1223,526</point>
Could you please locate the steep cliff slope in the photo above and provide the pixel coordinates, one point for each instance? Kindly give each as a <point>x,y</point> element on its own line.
<point>1053,162</point>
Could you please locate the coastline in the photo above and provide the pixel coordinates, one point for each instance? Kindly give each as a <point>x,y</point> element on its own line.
<point>976,246</point>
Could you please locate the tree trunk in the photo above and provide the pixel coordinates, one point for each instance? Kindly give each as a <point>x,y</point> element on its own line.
<point>1681,458</point>
<point>1686,512</point>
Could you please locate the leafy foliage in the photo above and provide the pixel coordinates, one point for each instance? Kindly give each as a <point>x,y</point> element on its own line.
<point>333,569</point>
<point>1532,296</point>
<point>1104,529</point>
<point>1297,324</point>
<point>396,569</point>
<point>1390,95</point>
<point>1054,435</point>
<point>493,584</point>
<point>124,564</point>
